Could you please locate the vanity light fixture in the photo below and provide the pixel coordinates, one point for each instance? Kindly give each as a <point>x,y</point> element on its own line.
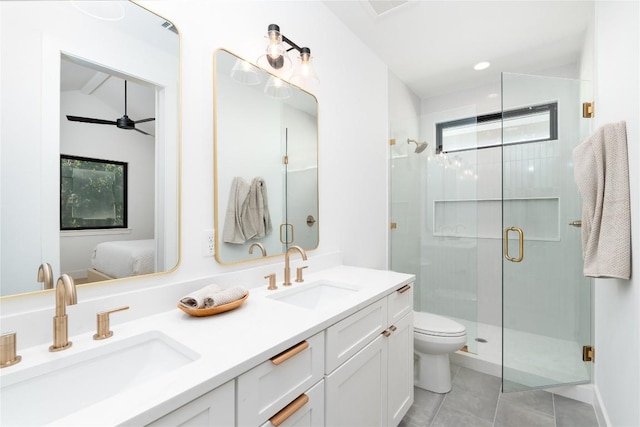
<point>305,76</point>
<point>246,73</point>
<point>276,59</point>
<point>277,88</point>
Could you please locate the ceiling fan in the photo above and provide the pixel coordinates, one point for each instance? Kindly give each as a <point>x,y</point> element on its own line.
<point>123,122</point>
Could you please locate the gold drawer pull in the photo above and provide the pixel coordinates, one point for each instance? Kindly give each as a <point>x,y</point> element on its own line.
<point>403,289</point>
<point>289,410</point>
<point>386,333</point>
<point>393,328</point>
<point>289,353</point>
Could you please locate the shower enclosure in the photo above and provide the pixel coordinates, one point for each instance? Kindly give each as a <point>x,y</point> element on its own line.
<point>486,219</point>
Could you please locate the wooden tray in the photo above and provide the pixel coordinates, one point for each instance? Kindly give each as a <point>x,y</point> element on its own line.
<point>202,312</point>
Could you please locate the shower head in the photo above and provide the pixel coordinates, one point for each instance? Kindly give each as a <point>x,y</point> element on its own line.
<point>420,146</point>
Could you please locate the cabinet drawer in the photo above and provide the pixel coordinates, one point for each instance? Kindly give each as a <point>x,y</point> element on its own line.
<point>347,337</point>
<point>307,412</point>
<point>400,303</point>
<point>213,409</point>
<point>269,387</point>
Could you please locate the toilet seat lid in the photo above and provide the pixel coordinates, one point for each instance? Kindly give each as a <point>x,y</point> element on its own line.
<point>432,324</point>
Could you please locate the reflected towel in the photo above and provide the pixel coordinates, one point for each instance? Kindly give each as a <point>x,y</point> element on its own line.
<point>232,231</point>
<point>201,297</point>
<point>601,172</point>
<point>256,221</point>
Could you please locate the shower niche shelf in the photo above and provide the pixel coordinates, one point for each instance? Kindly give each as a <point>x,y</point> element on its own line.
<point>539,217</point>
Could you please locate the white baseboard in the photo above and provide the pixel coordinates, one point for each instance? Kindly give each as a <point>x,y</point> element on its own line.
<point>582,392</point>
<point>601,411</point>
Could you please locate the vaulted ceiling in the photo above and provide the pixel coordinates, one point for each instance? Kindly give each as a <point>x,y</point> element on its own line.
<point>433,45</point>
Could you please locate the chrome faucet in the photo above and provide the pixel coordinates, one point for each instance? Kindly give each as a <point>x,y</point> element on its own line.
<point>45,275</point>
<point>65,295</point>
<point>287,270</point>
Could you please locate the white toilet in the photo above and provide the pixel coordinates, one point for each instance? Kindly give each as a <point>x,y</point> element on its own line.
<point>434,337</point>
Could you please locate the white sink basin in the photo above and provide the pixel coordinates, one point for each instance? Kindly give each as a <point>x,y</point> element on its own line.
<point>316,295</point>
<point>44,393</point>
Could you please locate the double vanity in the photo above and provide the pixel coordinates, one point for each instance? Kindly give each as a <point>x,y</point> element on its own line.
<point>336,349</point>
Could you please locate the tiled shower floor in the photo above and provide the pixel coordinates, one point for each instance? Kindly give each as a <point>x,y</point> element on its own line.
<point>476,400</point>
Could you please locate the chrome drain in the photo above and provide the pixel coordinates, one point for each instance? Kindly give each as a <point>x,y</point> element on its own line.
<point>480,340</point>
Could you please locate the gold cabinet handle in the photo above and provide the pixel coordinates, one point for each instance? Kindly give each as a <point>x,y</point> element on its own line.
<point>386,333</point>
<point>520,244</point>
<point>393,328</point>
<point>403,289</point>
<point>289,353</point>
<point>289,410</point>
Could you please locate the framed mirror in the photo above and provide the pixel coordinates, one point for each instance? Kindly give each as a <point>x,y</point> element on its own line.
<point>266,163</point>
<point>92,83</point>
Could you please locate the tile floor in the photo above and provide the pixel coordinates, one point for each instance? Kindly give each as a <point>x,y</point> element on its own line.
<point>476,400</point>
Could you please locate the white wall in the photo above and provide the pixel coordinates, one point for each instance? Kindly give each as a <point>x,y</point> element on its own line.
<point>617,302</point>
<point>352,122</point>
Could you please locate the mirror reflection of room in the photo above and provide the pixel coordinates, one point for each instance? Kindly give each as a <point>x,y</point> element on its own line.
<point>266,173</point>
<point>53,69</point>
<point>107,202</point>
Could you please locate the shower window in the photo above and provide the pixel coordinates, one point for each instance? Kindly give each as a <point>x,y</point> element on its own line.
<point>93,193</point>
<point>520,126</point>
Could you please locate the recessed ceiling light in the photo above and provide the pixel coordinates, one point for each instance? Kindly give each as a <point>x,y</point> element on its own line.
<point>482,65</point>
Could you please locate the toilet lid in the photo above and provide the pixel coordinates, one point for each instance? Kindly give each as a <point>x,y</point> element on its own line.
<point>432,324</point>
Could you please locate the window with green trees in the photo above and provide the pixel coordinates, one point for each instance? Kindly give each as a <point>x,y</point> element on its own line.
<point>93,193</point>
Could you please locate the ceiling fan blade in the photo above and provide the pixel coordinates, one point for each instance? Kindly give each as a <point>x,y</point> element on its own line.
<point>90,120</point>
<point>141,131</point>
<point>145,120</point>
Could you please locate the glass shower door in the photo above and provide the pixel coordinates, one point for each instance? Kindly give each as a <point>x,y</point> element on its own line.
<point>546,299</point>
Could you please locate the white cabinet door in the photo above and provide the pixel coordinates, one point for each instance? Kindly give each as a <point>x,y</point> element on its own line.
<point>213,409</point>
<point>355,393</point>
<point>400,369</point>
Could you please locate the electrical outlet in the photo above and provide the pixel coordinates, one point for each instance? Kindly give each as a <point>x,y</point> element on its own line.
<point>208,243</point>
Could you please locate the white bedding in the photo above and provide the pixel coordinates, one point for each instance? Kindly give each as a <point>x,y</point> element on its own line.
<point>124,258</point>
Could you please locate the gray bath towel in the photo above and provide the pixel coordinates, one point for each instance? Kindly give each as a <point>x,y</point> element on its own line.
<point>200,298</point>
<point>601,172</point>
<point>256,221</point>
<point>232,231</point>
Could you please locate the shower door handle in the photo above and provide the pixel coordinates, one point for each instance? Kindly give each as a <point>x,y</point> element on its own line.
<point>520,244</point>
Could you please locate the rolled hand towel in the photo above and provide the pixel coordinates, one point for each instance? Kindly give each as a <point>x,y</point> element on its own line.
<point>201,297</point>
<point>224,297</point>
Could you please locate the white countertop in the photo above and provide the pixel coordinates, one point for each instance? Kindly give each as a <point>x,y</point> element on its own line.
<point>228,344</point>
